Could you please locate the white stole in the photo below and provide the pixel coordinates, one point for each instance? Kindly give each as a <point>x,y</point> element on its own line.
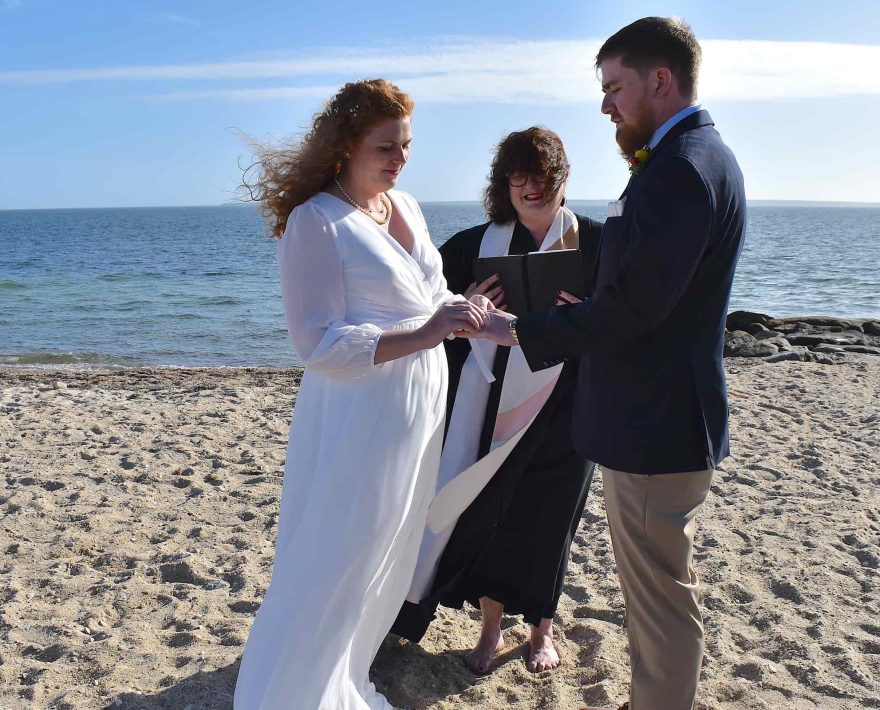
<point>462,475</point>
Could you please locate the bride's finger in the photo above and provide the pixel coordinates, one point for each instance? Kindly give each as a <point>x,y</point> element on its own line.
<point>476,320</point>
<point>477,312</point>
<point>465,320</point>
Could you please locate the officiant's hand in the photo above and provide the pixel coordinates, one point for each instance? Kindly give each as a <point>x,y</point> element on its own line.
<point>491,288</point>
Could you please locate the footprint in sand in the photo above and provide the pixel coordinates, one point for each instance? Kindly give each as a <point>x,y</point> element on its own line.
<point>784,589</point>
<point>610,616</point>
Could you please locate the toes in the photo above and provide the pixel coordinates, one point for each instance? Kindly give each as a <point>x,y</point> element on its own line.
<point>477,664</point>
<point>539,665</point>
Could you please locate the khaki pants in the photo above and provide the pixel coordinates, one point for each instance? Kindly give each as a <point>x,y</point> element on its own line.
<point>652,522</point>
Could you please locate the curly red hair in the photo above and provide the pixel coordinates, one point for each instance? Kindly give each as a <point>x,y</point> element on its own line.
<point>291,172</point>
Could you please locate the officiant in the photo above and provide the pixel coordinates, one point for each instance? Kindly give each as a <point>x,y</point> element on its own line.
<point>508,551</point>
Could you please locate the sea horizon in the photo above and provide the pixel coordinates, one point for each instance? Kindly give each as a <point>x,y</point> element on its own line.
<point>582,201</point>
<point>181,286</point>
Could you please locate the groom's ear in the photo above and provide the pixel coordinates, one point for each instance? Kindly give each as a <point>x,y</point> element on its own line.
<point>663,81</point>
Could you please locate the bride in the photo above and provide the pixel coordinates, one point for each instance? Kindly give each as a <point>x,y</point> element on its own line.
<point>366,307</point>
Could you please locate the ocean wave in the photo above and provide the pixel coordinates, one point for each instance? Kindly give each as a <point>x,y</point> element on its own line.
<point>10,285</point>
<point>82,359</point>
<point>187,316</point>
<point>219,301</point>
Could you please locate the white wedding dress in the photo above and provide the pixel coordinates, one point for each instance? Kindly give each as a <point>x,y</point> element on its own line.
<point>362,459</point>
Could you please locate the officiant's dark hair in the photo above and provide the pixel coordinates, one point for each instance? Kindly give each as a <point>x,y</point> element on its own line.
<point>536,150</point>
<point>284,176</point>
<point>654,42</point>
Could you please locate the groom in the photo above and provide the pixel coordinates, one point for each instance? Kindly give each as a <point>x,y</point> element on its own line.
<point>651,401</point>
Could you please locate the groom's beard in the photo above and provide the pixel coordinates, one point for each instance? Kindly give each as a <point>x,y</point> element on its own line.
<point>635,132</point>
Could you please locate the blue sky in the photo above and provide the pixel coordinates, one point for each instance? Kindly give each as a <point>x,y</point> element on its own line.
<point>141,103</point>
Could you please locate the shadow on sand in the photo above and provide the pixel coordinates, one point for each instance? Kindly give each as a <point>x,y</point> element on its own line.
<point>404,672</point>
<point>205,690</point>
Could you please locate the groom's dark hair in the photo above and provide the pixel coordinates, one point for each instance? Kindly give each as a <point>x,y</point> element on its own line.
<point>657,42</point>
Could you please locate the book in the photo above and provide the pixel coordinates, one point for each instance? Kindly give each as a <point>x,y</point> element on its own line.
<point>531,281</point>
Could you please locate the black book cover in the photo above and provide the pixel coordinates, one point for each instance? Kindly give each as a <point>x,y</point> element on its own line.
<point>531,281</point>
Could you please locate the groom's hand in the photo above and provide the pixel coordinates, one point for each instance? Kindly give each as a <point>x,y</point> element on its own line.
<point>496,327</point>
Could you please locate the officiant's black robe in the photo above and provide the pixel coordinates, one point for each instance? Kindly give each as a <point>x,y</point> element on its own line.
<point>512,543</point>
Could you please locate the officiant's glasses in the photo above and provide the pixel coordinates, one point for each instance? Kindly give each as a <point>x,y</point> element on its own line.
<point>518,178</point>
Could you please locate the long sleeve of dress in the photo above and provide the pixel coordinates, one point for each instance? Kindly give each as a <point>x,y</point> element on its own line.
<point>313,291</point>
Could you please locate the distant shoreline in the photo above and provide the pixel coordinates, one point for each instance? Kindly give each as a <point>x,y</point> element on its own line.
<point>592,202</point>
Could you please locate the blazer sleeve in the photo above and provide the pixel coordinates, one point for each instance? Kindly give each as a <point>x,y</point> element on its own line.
<point>313,290</point>
<point>669,232</point>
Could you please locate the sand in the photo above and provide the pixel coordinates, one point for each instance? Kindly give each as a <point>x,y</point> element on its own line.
<point>138,518</point>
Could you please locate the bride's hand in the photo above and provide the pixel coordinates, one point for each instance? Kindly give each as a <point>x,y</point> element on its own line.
<point>482,302</point>
<point>495,293</point>
<point>454,317</point>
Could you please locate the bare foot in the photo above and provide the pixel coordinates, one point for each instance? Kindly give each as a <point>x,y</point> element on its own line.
<point>490,645</point>
<point>491,639</point>
<point>543,655</point>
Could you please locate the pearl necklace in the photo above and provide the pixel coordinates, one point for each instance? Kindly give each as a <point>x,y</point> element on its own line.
<point>386,206</point>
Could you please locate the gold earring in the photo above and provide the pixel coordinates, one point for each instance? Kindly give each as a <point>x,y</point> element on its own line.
<point>338,167</point>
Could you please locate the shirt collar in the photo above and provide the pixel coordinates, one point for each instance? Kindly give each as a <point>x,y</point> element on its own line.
<point>670,122</point>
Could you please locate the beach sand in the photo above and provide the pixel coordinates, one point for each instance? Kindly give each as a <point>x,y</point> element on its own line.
<point>138,521</point>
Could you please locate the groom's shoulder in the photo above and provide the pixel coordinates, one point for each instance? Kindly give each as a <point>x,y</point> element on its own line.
<point>706,154</point>
<point>702,146</point>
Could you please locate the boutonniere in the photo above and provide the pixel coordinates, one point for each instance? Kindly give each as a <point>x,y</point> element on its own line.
<point>637,162</point>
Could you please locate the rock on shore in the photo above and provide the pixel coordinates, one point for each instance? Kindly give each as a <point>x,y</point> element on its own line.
<point>804,339</point>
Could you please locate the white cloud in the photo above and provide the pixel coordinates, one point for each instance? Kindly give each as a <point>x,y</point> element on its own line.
<point>737,69</point>
<point>9,4</point>
<point>269,94</point>
<point>467,70</point>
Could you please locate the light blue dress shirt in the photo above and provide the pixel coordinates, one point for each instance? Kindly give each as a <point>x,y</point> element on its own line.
<point>670,122</point>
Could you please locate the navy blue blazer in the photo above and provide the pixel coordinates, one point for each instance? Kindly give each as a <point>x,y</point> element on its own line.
<point>651,394</point>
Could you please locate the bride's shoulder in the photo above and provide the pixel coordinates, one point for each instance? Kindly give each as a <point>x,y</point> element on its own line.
<point>308,217</point>
<point>318,206</point>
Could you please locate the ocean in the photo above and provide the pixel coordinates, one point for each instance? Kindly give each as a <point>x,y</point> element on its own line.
<point>198,286</point>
